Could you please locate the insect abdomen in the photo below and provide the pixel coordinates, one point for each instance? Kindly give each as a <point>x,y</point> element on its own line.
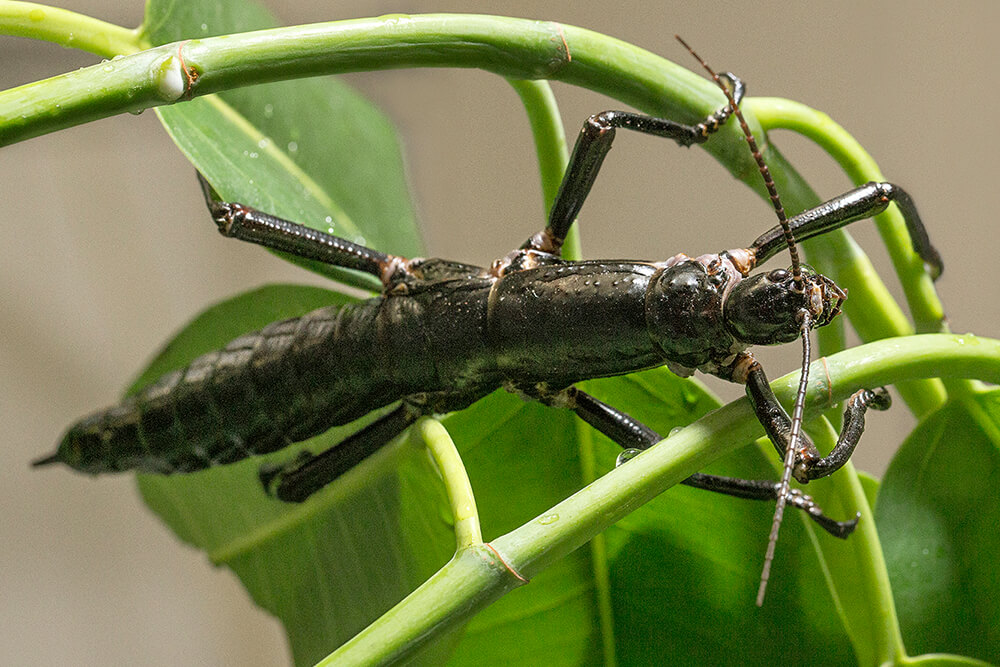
<point>287,382</point>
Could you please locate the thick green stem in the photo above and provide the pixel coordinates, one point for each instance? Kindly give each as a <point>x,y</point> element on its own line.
<point>864,589</point>
<point>474,579</point>
<point>871,309</point>
<point>776,113</point>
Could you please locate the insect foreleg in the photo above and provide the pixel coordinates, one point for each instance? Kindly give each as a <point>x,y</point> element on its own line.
<point>858,204</point>
<point>248,224</point>
<point>777,424</point>
<point>294,482</point>
<point>632,434</point>
<point>593,145</point>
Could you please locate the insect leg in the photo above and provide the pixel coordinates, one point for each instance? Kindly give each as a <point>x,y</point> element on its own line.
<point>858,204</point>
<point>296,481</point>
<point>248,224</point>
<point>632,434</point>
<point>593,145</point>
<point>809,464</point>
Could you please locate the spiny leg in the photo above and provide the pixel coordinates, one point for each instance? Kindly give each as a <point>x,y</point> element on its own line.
<point>294,482</point>
<point>593,145</point>
<point>632,434</point>
<point>248,224</point>
<point>858,204</point>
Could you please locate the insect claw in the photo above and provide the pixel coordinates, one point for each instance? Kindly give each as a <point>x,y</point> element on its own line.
<point>839,529</point>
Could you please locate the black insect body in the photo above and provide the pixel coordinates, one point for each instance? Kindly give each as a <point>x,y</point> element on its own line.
<point>443,335</point>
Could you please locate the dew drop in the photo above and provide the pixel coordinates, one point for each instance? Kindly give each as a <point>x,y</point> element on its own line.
<point>268,110</point>
<point>328,219</point>
<point>675,430</point>
<point>292,147</point>
<point>263,143</point>
<point>627,455</point>
<point>548,519</point>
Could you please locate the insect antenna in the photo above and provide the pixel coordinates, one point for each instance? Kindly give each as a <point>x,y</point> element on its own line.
<point>765,173</point>
<point>804,318</point>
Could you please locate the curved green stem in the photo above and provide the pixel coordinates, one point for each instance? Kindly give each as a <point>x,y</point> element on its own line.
<point>456,481</point>
<point>66,28</point>
<point>550,146</point>
<point>872,625</point>
<point>775,113</point>
<point>473,579</point>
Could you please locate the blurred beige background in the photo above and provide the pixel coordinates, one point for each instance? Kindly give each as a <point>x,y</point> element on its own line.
<point>93,283</point>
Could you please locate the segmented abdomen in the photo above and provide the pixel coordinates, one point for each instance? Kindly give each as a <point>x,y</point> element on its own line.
<point>287,382</point>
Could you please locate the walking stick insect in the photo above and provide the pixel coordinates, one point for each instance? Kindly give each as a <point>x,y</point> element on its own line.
<point>531,322</point>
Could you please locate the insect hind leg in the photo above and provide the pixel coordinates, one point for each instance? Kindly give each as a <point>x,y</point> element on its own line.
<point>296,481</point>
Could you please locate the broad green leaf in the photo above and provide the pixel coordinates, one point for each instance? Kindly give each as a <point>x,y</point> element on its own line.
<point>310,150</point>
<point>938,510</point>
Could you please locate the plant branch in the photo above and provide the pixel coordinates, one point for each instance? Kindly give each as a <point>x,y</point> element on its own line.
<point>456,481</point>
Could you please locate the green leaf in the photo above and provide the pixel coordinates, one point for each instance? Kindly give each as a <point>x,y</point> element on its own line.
<point>310,150</point>
<point>938,510</point>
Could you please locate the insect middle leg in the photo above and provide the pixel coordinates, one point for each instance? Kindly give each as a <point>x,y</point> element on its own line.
<point>592,147</point>
<point>858,204</point>
<point>629,433</point>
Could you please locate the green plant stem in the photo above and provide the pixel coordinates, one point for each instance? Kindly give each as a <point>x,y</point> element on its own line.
<point>474,579</point>
<point>871,310</point>
<point>553,155</point>
<point>66,28</point>
<point>456,481</point>
<point>550,147</point>
<point>777,113</point>
<point>873,625</point>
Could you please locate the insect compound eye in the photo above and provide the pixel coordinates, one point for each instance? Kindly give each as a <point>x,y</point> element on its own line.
<point>778,276</point>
